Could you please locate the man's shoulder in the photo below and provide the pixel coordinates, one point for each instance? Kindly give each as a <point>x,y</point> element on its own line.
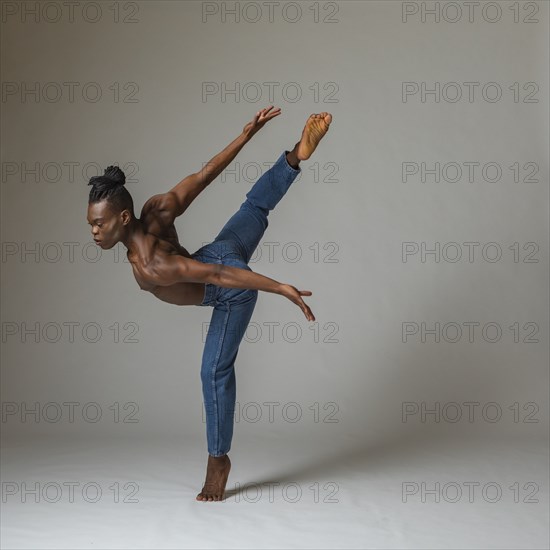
<point>157,213</point>
<point>158,203</point>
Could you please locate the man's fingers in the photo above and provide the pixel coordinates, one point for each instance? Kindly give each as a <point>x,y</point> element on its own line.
<point>307,311</point>
<point>266,112</point>
<point>264,115</point>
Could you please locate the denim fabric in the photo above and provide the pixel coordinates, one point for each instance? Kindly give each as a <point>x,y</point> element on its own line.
<point>233,307</point>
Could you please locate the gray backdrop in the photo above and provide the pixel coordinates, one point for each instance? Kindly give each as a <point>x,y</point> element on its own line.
<point>149,86</point>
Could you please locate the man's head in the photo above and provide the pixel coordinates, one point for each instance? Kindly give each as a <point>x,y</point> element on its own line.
<point>110,207</point>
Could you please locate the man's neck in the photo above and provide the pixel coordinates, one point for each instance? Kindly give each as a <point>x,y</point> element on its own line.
<point>134,237</point>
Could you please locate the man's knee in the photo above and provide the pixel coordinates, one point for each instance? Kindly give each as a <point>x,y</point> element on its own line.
<point>256,208</point>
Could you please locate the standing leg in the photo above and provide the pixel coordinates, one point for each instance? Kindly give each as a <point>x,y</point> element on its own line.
<point>230,318</point>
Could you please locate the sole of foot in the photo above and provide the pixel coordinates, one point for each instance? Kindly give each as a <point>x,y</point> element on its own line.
<point>316,127</point>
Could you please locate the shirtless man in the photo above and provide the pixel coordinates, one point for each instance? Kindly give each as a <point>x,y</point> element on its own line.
<point>216,275</point>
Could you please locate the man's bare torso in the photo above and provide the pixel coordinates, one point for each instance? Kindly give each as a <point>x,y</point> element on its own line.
<point>161,241</point>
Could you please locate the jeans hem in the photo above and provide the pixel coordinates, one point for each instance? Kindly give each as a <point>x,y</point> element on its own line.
<point>287,165</point>
<point>216,455</point>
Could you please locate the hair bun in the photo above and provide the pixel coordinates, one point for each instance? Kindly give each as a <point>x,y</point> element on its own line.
<point>115,174</point>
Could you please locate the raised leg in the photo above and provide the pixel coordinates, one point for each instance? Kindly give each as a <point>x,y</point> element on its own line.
<point>247,226</point>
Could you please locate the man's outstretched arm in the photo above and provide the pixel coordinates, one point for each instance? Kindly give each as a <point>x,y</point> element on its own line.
<point>179,269</point>
<point>187,190</point>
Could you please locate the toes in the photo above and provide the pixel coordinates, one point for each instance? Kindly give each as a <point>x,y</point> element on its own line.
<point>209,498</point>
<point>204,497</point>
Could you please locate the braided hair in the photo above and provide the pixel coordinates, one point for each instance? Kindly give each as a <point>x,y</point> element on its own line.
<point>110,187</point>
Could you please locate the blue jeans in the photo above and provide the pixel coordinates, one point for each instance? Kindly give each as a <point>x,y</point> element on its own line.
<point>233,307</point>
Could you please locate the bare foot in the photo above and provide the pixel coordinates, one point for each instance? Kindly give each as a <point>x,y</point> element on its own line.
<point>217,472</point>
<point>316,127</point>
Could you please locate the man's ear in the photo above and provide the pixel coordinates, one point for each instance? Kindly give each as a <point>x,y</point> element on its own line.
<point>126,217</point>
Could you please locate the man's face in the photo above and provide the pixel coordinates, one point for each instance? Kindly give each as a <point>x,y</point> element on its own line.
<point>107,226</point>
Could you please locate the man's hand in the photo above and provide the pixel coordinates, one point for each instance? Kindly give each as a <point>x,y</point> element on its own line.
<point>295,295</point>
<point>259,120</point>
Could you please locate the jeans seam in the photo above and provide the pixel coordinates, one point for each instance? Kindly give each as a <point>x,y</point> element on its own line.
<point>213,372</point>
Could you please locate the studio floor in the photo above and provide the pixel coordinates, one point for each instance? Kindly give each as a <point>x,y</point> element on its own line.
<point>74,492</point>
